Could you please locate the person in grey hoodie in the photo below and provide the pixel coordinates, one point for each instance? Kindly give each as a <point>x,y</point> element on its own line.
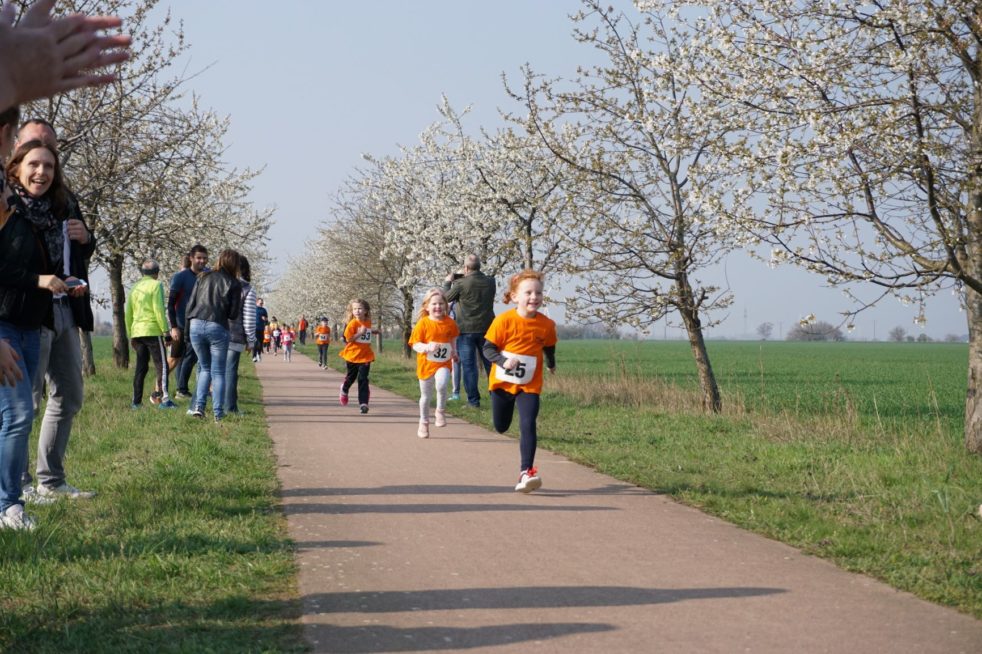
<point>474,295</point>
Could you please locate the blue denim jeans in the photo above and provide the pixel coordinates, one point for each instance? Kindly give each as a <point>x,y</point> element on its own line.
<point>232,381</point>
<point>17,412</point>
<point>210,343</point>
<point>469,347</point>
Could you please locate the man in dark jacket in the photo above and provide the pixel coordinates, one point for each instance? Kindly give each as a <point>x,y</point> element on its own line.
<point>60,361</point>
<point>181,286</point>
<point>474,295</point>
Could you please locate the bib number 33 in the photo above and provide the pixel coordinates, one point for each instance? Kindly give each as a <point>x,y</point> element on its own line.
<point>520,374</point>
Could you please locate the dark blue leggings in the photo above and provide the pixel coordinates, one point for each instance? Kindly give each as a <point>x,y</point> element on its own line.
<point>503,409</point>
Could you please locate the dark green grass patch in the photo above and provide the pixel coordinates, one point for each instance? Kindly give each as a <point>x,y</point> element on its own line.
<point>182,550</point>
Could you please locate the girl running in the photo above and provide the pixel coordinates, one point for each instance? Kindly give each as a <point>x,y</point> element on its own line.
<point>433,339</point>
<point>286,339</point>
<point>357,351</point>
<point>322,336</point>
<point>515,343</point>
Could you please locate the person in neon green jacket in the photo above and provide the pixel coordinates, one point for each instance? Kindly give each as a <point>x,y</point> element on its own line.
<point>146,325</point>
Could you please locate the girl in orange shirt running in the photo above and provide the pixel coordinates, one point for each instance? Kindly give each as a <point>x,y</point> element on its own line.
<point>357,351</point>
<point>515,343</point>
<point>322,336</point>
<point>433,339</point>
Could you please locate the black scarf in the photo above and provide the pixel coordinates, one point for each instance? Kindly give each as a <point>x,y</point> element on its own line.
<point>39,213</point>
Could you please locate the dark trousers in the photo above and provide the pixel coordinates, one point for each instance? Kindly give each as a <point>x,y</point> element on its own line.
<point>322,354</point>
<point>185,368</point>
<point>357,371</point>
<point>503,409</point>
<point>303,337</point>
<point>147,348</point>
<point>257,349</point>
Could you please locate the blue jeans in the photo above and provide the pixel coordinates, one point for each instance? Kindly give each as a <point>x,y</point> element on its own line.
<point>232,381</point>
<point>210,343</point>
<point>469,349</point>
<point>17,412</point>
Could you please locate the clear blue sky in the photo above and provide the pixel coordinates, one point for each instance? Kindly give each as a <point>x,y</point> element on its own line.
<point>312,84</point>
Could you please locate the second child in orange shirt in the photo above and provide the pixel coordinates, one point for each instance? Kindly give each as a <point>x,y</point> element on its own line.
<point>516,343</point>
<point>434,340</point>
<point>357,351</point>
<point>322,336</point>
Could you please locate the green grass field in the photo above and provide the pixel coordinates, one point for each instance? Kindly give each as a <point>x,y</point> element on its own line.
<point>849,451</point>
<point>183,550</point>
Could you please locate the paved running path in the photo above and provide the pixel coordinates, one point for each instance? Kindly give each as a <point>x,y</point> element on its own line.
<point>409,545</point>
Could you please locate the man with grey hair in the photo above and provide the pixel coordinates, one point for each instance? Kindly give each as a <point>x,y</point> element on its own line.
<point>146,325</point>
<point>474,294</point>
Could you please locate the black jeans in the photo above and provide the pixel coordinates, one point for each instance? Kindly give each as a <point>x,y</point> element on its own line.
<point>503,409</point>
<point>357,371</point>
<point>147,348</point>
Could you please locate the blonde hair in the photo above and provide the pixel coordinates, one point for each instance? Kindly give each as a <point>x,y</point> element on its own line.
<point>347,311</point>
<point>423,312</point>
<point>518,279</point>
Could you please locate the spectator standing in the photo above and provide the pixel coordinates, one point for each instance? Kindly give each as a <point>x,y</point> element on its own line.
<point>36,175</point>
<point>302,326</point>
<point>146,325</point>
<point>474,297</point>
<point>215,300</point>
<point>181,286</point>
<point>242,335</point>
<point>262,321</point>
<point>26,284</point>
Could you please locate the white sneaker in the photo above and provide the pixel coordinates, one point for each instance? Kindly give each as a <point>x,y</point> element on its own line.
<point>31,496</point>
<point>441,418</point>
<point>64,490</point>
<point>529,481</point>
<point>15,518</point>
<point>424,429</point>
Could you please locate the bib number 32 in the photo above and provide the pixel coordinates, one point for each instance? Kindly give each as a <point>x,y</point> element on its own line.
<point>441,354</point>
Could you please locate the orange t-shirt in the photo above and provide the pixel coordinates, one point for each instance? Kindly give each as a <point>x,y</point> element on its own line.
<point>322,334</point>
<point>442,332</point>
<point>358,349</point>
<point>523,338</point>
<point>267,336</point>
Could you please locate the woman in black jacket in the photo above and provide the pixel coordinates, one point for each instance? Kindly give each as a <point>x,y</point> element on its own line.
<point>215,299</point>
<point>26,287</point>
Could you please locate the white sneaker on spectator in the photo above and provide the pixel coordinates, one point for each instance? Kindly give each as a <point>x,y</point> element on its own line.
<point>32,496</point>
<point>64,490</point>
<point>15,518</point>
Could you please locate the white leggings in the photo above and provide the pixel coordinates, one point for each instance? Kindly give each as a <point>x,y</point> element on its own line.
<point>440,380</point>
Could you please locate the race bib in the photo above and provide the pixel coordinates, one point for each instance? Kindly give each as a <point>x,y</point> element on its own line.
<point>364,337</point>
<point>521,374</point>
<point>441,354</point>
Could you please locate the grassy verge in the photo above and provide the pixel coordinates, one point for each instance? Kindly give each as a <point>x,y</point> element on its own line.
<point>183,549</point>
<point>893,500</point>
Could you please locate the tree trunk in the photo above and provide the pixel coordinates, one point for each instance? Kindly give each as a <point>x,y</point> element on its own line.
<point>693,326</point>
<point>407,323</point>
<point>973,399</point>
<point>88,358</point>
<point>121,346</point>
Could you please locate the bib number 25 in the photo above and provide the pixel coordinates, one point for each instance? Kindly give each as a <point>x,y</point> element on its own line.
<point>521,373</point>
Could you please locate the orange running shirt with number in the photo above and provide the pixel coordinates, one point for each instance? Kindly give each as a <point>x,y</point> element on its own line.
<point>322,334</point>
<point>443,332</point>
<point>525,337</point>
<point>358,349</point>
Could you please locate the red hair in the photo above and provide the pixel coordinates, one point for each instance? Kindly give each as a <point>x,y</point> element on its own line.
<point>518,279</point>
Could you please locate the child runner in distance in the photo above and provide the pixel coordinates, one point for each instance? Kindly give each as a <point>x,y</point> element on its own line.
<point>286,338</point>
<point>433,339</point>
<point>357,351</point>
<point>516,343</point>
<point>322,336</point>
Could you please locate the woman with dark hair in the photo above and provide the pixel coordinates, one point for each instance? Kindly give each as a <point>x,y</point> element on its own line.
<point>242,335</point>
<point>215,300</point>
<point>26,285</point>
